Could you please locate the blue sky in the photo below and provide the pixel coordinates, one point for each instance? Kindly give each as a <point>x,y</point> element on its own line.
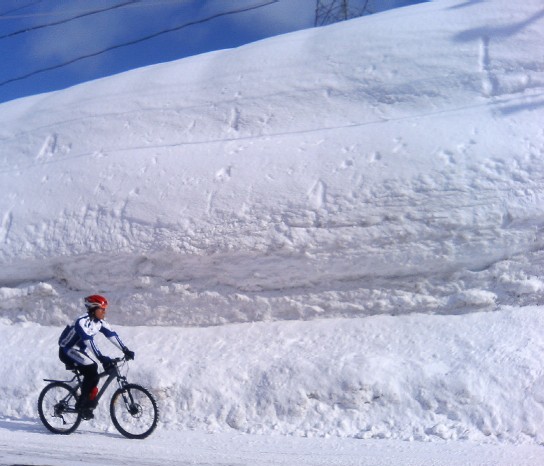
<point>38,38</point>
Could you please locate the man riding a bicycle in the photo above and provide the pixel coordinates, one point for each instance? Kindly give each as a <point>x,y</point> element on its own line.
<point>75,342</point>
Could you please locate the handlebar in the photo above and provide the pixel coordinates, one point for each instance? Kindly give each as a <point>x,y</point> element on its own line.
<point>112,362</point>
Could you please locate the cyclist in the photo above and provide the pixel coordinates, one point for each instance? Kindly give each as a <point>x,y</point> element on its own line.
<point>78,338</point>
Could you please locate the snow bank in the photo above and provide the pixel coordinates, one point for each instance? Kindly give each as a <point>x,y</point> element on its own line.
<point>474,377</point>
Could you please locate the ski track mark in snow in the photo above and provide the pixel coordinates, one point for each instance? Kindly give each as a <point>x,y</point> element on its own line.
<point>234,120</point>
<point>317,194</point>
<point>48,148</point>
<point>488,82</point>
<point>5,226</point>
<point>209,203</point>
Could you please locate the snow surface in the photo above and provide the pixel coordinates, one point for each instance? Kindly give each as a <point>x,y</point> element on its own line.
<point>331,233</point>
<point>97,448</point>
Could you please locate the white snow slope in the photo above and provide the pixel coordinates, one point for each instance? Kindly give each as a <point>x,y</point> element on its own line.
<point>336,232</point>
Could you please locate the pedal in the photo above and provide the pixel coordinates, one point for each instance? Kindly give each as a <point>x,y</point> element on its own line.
<point>87,414</point>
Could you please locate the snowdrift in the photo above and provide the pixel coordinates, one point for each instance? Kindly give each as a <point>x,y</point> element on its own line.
<point>389,164</point>
<point>389,167</point>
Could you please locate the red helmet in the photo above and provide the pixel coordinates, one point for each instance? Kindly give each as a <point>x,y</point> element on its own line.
<point>95,301</point>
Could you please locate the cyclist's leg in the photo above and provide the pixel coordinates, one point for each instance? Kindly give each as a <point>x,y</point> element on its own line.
<point>68,362</point>
<point>89,370</point>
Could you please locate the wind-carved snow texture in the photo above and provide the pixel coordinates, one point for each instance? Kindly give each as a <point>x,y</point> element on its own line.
<point>221,191</point>
<point>298,185</point>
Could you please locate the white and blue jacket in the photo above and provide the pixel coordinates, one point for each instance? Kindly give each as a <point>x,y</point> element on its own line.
<point>80,335</point>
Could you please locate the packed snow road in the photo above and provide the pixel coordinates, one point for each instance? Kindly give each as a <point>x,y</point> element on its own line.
<point>28,443</point>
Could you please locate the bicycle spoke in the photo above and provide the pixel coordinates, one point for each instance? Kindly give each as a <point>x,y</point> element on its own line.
<point>134,411</point>
<point>56,408</point>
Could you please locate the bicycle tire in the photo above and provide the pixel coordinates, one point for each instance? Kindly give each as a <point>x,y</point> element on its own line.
<point>134,411</point>
<point>53,399</point>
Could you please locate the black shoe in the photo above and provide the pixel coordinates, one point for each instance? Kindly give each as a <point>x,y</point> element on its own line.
<point>85,407</point>
<point>91,404</point>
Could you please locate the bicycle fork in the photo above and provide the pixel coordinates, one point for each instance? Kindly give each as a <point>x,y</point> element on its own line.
<point>132,407</point>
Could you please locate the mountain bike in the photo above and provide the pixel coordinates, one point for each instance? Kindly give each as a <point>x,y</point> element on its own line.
<point>133,409</point>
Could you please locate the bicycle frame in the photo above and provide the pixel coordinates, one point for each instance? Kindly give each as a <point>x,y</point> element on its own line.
<point>111,374</point>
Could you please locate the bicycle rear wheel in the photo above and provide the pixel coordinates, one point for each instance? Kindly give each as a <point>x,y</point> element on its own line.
<point>56,406</point>
<point>134,411</point>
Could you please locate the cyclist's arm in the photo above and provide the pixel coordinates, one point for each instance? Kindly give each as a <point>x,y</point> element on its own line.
<point>112,336</point>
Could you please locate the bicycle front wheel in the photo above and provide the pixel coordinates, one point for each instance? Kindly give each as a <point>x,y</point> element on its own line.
<point>134,411</point>
<point>56,406</point>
